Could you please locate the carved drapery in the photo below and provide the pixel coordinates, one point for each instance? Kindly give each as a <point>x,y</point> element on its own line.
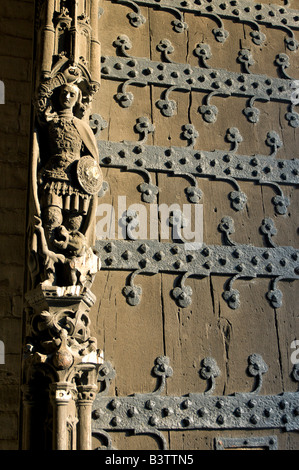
<point>61,357</point>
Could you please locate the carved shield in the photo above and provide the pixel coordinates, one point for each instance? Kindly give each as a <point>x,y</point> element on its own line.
<point>89,175</point>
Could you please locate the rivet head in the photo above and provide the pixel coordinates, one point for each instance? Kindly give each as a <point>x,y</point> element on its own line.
<point>127,254</point>
<point>254,419</point>
<point>110,260</point>
<point>186,421</point>
<point>284,419</point>
<point>238,412</point>
<point>132,73</point>
<point>143,262</point>
<point>159,255</point>
<point>177,264</point>
<point>205,252</point>
<point>186,404</point>
<point>282,404</point>
<point>116,421</point>
<point>167,411</point>
<point>251,403</point>
<point>267,412</point>
<point>226,158</point>
<point>132,412</point>
<point>149,404</point>
<point>114,404</point>
<point>96,414</point>
<point>269,267</point>
<point>143,248</point>
<point>122,154</point>
<point>201,412</point>
<point>220,419</point>
<point>153,421</point>
<point>107,160</point>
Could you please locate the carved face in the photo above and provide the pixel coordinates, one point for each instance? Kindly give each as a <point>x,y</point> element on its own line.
<point>74,222</point>
<point>52,217</point>
<point>68,96</point>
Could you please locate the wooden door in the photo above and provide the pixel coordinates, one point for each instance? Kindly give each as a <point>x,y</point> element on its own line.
<point>196,112</point>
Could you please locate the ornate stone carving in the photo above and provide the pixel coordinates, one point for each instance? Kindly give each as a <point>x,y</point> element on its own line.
<point>61,358</point>
<point>66,178</point>
<point>59,330</point>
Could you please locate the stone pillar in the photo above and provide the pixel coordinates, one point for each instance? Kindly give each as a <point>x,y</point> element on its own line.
<point>95,47</point>
<point>86,396</point>
<point>65,182</point>
<point>61,395</point>
<point>48,40</point>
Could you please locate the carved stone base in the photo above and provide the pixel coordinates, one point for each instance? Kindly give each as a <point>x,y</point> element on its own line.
<point>61,363</point>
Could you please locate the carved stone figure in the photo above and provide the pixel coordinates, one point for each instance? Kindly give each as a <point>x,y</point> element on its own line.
<point>66,178</point>
<point>61,358</point>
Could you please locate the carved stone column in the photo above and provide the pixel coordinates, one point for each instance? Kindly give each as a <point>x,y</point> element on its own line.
<point>86,396</point>
<point>61,360</point>
<point>61,396</point>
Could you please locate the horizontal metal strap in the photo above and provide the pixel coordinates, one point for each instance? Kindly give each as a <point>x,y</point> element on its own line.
<point>153,412</point>
<point>219,164</point>
<point>143,71</point>
<point>152,256</point>
<point>196,411</point>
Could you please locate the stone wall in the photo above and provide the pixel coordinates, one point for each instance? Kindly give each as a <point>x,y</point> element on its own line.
<point>16,47</point>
